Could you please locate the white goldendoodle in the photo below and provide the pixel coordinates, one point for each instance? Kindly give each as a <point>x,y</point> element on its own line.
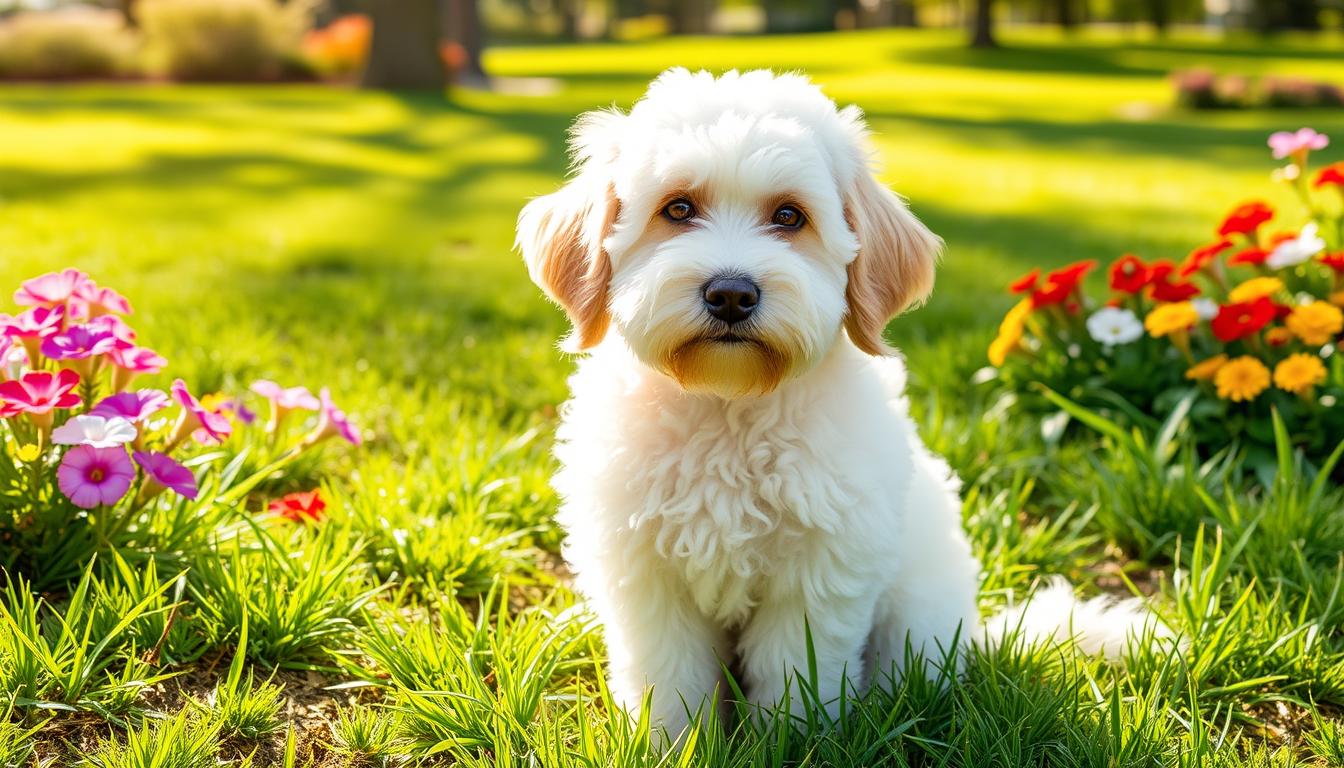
<point>738,465</point>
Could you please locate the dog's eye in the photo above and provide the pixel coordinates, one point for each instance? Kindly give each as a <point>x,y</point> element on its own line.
<point>787,216</point>
<point>679,210</point>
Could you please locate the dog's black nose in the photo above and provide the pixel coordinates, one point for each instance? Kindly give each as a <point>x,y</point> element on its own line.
<point>731,299</point>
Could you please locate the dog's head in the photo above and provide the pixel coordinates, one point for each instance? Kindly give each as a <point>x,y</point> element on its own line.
<point>729,228</point>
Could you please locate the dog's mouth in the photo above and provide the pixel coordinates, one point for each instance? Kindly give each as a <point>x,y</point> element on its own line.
<point>730,338</point>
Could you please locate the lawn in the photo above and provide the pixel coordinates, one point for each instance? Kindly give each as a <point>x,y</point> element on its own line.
<point>362,241</point>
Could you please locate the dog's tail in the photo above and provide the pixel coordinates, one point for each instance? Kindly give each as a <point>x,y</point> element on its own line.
<point>1101,625</point>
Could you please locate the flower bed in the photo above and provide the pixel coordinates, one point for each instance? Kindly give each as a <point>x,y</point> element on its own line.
<point>1245,326</point>
<point>89,462</point>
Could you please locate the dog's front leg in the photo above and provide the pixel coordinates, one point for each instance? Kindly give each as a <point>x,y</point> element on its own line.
<point>774,649</point>
<point>657,637</point>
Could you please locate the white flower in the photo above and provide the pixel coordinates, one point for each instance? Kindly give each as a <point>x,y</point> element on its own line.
<point>95,431</point>
<point>1207,309</point>
<point>1113,325</point>
<point>13,363</point>
<point>1290,253</point>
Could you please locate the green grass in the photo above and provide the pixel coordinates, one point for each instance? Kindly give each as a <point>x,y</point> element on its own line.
<point>362,241</point>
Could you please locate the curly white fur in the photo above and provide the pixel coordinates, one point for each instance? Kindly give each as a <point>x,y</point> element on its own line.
<point>721,499</point>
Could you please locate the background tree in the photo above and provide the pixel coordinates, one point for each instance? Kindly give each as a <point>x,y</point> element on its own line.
<point>404,52</point>
<point>462,25</point>
<point>982,25</point>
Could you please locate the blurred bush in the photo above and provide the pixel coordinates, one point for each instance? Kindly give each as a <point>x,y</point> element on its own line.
<point>66,44</point>
<point>340,48</point>
<point>224,39</point>
<point>1202,89</point>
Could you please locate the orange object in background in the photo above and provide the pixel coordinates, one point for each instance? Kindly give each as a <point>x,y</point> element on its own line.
<point>341,47</point>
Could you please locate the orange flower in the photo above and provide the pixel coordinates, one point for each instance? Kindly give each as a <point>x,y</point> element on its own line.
<point>1315,323</point>
<point>300,507</point>
<point>1331,174</point>
<point>1277,337</point>
<point>1299,373</point>
<point>1241,379</point>
<point>1205,369</point>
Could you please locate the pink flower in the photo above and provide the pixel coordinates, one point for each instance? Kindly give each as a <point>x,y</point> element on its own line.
<point>53,289</point>
<point>132,406</point>
<point>91,476</point>
<point>287,398</point>
<point>32,326</point>
<point>1297,145</point>
<point>79,342</point>
<point>333,422</point>
<point>131,361</point>
<point>215,426</point>
<point>283,400</point>
<point>92,430</point>
<point>38,392</point>
<point>99,302</point>
<point>166,473</point>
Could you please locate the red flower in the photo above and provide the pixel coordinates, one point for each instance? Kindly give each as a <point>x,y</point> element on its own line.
<point>1025,283</point>
<point>1060,284</point>
<point>1201,256</point>
<point>1331,174</point>
<point>1252,256</point>
<point>1236,321</point>
<point>300,507</point>
<point>1334,260</point>
<point>1163,288</point>
<point>1245,219</point>
<point>1129,274</point>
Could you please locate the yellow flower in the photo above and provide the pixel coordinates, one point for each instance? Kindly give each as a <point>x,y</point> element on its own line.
<point>1170,318</point>
<point>1016,318</point>
<point>1205,369</point>
<point>1315,323</point>
<point>1001,346</point>
<point>1010,332</point>
<point>1277,337</point>
<point>28,453</point>
<point>1299,373</point>
<point>1241,379</point>
<point>1255,288</point>
<point>1337,298</point>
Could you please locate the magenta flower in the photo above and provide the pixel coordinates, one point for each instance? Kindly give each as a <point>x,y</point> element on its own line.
<point>38,322</point>
<point>214,426</point>
<point>38,392</point>
<point>78,342</point>
<point>163,472</point>
<point>333,422</point>
<point>53,289</point>
<point>132,406</point>
<point>1297,145</point>
<point>100,302</point>
<point>115,326</point>
<point>91,476</point>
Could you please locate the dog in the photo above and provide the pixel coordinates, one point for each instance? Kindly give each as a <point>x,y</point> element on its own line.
<point>741,482</point>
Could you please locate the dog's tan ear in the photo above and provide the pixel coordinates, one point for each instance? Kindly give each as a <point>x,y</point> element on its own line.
<point>894,268</point>
<point>561,237</point>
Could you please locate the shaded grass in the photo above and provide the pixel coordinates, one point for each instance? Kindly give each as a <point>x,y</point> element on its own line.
<point>362,241</point>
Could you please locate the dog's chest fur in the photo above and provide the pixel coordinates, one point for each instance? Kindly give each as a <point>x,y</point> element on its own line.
<point>734,498</point>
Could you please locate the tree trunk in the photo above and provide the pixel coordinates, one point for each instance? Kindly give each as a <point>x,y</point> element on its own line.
<point>982,33</point>
<point>691,17</point>
<point>1160,15</point>
<point>463,18</point>
<point>404,52</point>
<point>1064,15</point>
